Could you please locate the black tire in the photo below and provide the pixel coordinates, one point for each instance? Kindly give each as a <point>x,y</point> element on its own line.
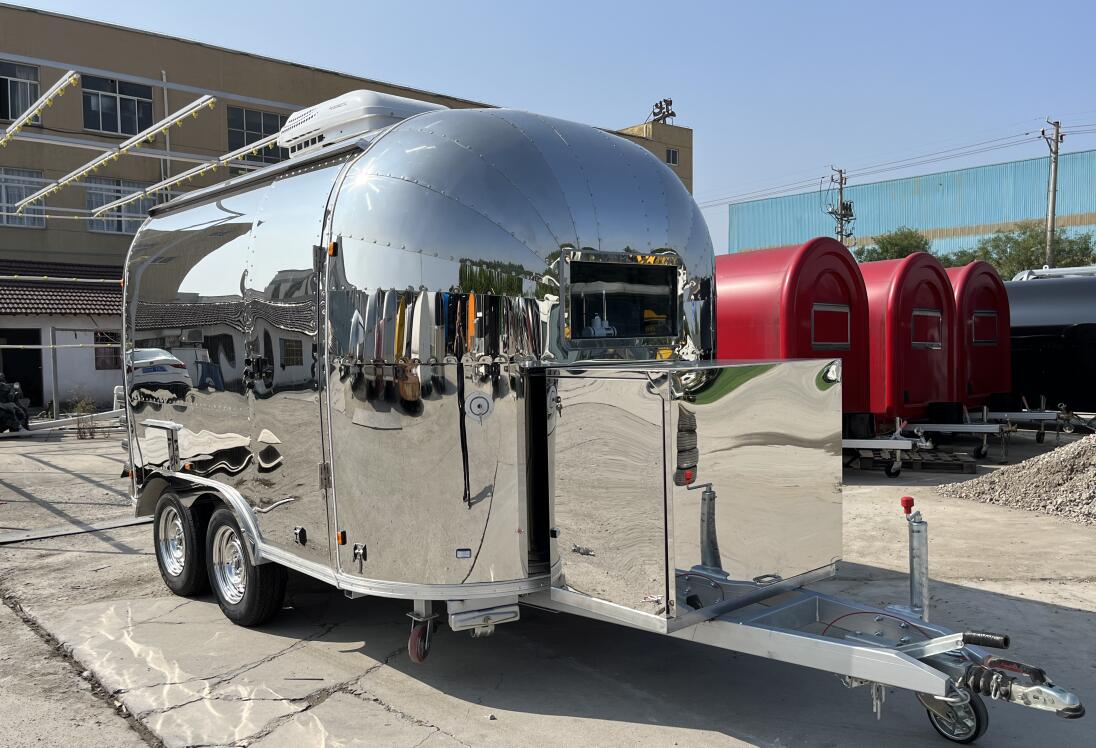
<point>180,548</point>
<point>686,440</point>
<point>1040,436</point>
<point>686,420</point>
<point>249,595</point>
<point>980,451</point>
<point>972,721</point>
<point>688,458</point>
<point>893,470</point>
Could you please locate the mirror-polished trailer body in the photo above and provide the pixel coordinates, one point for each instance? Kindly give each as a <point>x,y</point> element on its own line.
<point>466,359</point>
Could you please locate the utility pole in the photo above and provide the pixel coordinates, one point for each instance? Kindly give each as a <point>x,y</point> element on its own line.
<point>842,212</point>
<point>1053,141</point>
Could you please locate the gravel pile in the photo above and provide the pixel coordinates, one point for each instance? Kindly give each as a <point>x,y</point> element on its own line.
<point>1062,483</point>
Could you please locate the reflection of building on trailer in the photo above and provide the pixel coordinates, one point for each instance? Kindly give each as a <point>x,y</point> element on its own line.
<point>520,460</point>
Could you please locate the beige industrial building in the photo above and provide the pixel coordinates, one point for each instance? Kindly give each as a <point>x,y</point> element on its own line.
<point>129,80</point>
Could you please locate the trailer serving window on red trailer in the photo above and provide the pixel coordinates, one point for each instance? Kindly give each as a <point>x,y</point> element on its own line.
<point>928,329</point>
<point>984,327</point>
<point>831,328</point>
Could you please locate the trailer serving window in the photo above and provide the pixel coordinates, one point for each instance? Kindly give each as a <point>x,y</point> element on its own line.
<point>625,300</point>
<point>984,328</point>
<point>928,329</point>
<point>830,327</point>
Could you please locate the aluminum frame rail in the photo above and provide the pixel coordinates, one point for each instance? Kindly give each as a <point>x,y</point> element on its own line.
<point>172,120</point>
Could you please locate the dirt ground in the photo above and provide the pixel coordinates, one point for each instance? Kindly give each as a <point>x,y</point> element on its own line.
<point>95,651</point>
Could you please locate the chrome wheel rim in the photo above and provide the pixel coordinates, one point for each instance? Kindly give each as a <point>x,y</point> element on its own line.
<point>961,724</point>
<point>171,542</point>
<point>229,567</point>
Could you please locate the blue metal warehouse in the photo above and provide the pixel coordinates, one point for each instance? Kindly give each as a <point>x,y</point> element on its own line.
<point>954,209</point>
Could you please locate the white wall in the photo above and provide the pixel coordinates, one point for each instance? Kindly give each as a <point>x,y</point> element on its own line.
<point>76,372</point>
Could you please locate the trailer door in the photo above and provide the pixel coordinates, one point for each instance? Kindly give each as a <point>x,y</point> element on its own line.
<point>282,292</point>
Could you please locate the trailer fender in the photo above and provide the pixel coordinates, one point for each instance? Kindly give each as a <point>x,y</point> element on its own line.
<point>190,488</point>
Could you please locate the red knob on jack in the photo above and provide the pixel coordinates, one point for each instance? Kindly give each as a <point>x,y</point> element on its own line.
<point>907,504</point>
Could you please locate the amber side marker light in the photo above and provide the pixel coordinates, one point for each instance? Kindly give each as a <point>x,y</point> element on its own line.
<point>340,537</point>
<point>333,249</point>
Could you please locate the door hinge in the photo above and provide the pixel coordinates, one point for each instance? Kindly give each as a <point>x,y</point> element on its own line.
<point>325,474</point>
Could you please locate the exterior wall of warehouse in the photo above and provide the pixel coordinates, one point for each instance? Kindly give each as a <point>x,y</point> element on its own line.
<point>76,373</point>
<point>954,209</point>
<point>54,43</point>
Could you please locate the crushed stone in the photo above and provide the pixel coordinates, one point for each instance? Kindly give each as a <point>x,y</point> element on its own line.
<point>1061,483</point>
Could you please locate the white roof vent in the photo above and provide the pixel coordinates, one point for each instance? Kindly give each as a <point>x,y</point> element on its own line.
<point>344,117</point>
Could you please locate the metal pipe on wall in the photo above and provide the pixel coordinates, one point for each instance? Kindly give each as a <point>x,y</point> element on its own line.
<point>53,366</point>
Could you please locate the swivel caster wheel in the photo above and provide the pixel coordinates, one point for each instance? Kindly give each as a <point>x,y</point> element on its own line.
<point>980,451</point>
<point>959,723</point>
<point>418,643</point>
<point>893,470</point>
<point>1040,437</point>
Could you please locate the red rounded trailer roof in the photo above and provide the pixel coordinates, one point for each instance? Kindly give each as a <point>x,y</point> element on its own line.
<point>983,347</point>
<point>911,311</point>
<point>803,301</point>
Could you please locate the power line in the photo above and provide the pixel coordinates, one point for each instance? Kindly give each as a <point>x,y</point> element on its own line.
<point>985,146</point>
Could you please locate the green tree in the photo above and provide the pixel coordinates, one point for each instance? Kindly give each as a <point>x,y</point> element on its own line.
<point>894,245</point>
<point>1024,248</point>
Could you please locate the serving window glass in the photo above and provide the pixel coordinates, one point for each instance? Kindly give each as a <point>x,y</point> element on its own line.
<point>635,300</point>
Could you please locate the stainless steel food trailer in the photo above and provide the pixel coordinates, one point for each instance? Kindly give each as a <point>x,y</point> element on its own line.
<point>463,357</point>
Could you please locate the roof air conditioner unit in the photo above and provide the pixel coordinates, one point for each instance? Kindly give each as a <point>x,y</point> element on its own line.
<point>345,117</point>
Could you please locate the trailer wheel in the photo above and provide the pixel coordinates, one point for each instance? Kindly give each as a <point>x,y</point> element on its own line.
<point>980,451</point>
<point>1040,436</point>
<point>418,644</point>
<point>893,470</point>
<point>179,549</point>
<point>964,724</point>
<point>249,595</point>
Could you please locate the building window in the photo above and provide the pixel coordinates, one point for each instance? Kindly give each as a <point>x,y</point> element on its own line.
<point>116,106</point>
<point>18,89</point>
<point>108,358</point>
<point>245,126</point>
<point>671,156</point>
<point>124,220</point>
<point>292,352</point>
<point>16,184</point>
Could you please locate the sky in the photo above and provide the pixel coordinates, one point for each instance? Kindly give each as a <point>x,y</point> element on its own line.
<point>776,92</point>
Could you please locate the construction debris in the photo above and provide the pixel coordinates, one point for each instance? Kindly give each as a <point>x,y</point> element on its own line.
<point>1062,483</point>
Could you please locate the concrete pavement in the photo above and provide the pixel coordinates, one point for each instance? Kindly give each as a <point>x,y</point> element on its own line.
<point>333,671</point>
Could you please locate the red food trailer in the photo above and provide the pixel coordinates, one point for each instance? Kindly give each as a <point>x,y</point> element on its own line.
<point>984,365</point>
<point>911,312</point>
<point>804,301</point>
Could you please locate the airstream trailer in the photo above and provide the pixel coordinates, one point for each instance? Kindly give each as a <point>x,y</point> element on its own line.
<point>464,358</point>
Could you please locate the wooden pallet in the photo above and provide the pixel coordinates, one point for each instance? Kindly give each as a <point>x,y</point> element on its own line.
<point>937,460</point>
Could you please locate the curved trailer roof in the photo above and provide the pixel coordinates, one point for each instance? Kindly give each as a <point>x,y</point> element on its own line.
<point>983,351</point>
<point>911,311</point>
